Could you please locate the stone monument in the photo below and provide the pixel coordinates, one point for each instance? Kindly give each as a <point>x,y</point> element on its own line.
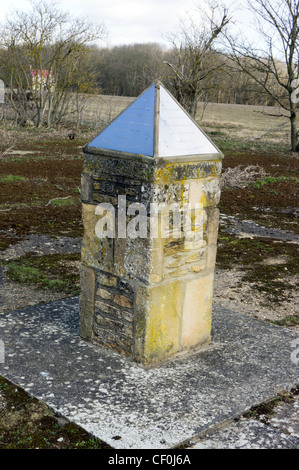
<point>150,187</point>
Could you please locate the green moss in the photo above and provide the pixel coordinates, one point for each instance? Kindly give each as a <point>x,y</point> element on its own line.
<point>271,179</point>
<point>12,178</point>
<point>26,423</point>
<point>292,320</point>
<point>48,272</point>
<point>268,408</point>
<point>228,145</point>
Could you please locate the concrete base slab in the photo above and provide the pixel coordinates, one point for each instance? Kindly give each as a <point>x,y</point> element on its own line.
<point>247,434</point>
<point>128,407</point>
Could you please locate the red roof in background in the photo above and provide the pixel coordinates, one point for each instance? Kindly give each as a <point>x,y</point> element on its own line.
<point>40,73</point>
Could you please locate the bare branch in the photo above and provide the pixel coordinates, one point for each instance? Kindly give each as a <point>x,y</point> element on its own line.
<point>275,78</point>
<point>195,58</point>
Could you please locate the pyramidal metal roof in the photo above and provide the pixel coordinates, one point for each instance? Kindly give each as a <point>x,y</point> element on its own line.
<point>155,125</point>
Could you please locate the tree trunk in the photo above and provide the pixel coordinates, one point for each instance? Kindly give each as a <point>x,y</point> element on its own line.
<point>193,105</point>
<point>293,120</point>
<point>40,118</point>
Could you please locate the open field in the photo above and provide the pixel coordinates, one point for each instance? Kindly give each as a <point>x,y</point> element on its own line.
<point>41,229</point>
<point>237,122</point>
<point>245,123</point>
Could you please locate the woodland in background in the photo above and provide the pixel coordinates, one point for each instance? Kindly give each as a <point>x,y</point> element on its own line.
<point>127,70</point>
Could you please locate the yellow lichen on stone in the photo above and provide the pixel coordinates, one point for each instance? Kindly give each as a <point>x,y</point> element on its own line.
<point>163,323</point>
<point>162,175</point>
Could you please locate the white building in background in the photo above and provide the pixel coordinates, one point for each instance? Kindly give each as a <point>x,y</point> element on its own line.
<point>42,80</point>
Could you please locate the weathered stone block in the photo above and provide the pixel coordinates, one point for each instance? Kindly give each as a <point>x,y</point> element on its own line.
<point>161,284</point>
<point>106,280</point>
<point>86,187</point>
<point>112,341</point>
<point>123,301</point>
<point>212,226</point>
<point>87,302</point>
<point>115,326</point>
<point>104,308</point>
<point>211,256</point>
<point>163,318</point>
<point>96,252</point>
<point>126,288</point>
<point>104,294</point>
<point>100,198</point>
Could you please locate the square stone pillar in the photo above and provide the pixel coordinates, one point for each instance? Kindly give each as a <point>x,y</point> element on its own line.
<point>150,232</point>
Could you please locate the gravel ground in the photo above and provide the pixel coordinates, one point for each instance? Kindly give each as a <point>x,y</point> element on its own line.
<point>233,293</point>
<point>42,245</point>
<point>14,295</point>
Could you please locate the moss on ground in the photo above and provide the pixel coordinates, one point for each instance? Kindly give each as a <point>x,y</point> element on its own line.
<point>27,423</point>
<point>268,265</point>
<point>57,272</point>
<point>267,409</point>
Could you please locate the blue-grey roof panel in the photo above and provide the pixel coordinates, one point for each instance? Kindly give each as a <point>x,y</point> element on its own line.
<point>133,130</point>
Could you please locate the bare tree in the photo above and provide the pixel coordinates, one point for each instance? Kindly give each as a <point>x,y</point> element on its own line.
<point>273,62</point>
<point>195,58</point>
<point>39,58</point>
<point>128,69</point>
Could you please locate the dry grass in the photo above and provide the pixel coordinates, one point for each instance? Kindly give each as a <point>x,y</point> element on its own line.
<point>240,176</point>
<point>242,122</point>
<point>230,121</point>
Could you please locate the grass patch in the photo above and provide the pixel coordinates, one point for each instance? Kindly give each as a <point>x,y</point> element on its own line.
<point>26,423</point>
<point>56,272</point>
<point>52,220</point>
<point>65,201</point>
<point>228,145</point>
<point>292,320</point>
<point>271,179</point>
<point>12,179</point>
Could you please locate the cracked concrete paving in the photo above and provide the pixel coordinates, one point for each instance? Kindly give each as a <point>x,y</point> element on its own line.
<point>248,362</point>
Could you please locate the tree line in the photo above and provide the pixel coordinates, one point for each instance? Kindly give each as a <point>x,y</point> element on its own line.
<point>50,63</point>
<point>127,70</point>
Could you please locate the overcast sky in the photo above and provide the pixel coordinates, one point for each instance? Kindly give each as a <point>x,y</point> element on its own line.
<point>127,21</point>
